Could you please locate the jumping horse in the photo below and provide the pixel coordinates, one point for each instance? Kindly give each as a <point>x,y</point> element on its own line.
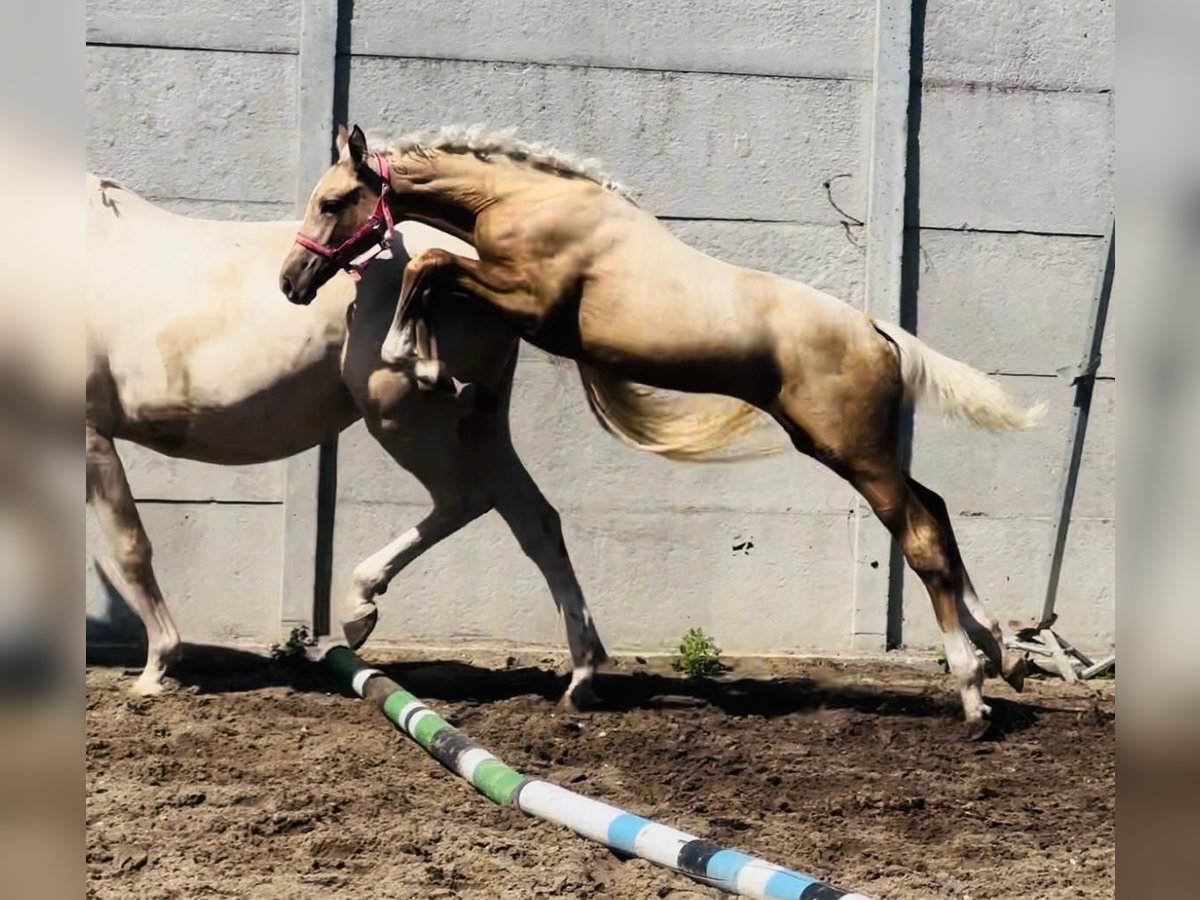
<point>570,263</point>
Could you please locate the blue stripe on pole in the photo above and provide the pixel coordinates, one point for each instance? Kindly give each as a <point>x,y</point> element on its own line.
<point>724,865</point>
<point>787,885</point>
<point>623,831</point>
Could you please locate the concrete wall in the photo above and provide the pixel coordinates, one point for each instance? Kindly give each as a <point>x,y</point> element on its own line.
<point>1016,183</point>
<point>726,119</point>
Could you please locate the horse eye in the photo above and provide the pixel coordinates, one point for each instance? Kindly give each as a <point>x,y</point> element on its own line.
<point>337,204</point>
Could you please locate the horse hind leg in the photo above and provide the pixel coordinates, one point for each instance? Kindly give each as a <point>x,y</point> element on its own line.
<point>537,526</point>
<point>917,519</point>
<point>130,565</point>
<point>980,625</point>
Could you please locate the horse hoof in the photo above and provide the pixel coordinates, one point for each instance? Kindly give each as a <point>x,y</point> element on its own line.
<point>358,630</point>
<point>1015,676</point>
<point>977,730</point>
<point>431,375</point>
<point>581,698</point>
<point>148,687</point>
<point>468,395</point>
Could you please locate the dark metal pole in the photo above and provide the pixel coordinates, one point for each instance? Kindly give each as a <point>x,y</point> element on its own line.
<point>1083,376</point>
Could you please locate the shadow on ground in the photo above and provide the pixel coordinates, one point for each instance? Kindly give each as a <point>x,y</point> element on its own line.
<point>209,669</point>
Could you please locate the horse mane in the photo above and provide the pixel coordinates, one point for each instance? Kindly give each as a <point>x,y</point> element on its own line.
<point>484,142</point>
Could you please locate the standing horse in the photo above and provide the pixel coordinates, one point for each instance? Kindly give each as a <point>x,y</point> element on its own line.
<point>576,268</point>
<point>191,354</point>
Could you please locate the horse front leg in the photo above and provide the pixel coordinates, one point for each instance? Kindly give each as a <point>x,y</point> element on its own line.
<point>490,283</point>
<point>406,344</point>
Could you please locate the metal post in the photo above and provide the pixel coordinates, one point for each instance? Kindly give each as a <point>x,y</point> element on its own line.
<point>1083,376</point>
<point>304,588</point>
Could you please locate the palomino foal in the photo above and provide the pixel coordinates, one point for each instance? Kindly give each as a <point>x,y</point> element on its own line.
<point>576,268</point>
<point>191,354</point>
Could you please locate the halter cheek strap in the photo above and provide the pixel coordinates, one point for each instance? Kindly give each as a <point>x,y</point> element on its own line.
<point>379,227</point>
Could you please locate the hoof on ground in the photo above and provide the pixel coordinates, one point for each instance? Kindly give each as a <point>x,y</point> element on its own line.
<point>358,630</point>
<point>987,728</point>
<point>149,687</point>
<point>581,698</point>
<point>1016,675</point>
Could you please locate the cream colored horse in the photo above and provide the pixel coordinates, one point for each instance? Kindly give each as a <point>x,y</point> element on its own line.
<point>575,267</point>
<point>190,353</point>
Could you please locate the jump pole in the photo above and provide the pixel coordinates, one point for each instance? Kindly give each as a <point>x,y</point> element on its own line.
<point>729,870</point>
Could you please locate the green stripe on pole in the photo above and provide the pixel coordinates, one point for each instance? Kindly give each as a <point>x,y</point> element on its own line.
<point>492,778</point>
<point>428,727</point>
<point>344,663</point>
<point>395,702</point>
<point>496,781</point>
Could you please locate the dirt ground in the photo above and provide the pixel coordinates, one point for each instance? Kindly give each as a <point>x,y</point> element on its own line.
<point>258,779</point>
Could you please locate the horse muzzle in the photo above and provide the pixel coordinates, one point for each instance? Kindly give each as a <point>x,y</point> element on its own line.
<point>302,275</point>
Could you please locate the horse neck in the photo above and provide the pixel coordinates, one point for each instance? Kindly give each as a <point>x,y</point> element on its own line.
<point>434,190</point>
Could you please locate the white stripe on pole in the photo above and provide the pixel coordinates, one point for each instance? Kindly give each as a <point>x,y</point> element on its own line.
<point>753,877</point>
<point>408,708</point>
<point>582,815</point>
<point>469,761</point>
<point>660,844</point>
<point>410,725</point>
<point>359,681</point>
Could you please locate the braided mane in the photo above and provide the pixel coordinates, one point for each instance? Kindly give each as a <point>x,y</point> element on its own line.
<point>482,141</point>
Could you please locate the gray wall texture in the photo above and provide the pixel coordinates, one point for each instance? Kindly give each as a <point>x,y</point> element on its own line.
<point>727,118</point>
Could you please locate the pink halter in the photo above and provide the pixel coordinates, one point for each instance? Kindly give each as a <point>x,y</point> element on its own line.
<point>378,227</point>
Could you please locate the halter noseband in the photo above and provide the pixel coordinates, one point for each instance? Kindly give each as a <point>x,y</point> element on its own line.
<point>379,227</point>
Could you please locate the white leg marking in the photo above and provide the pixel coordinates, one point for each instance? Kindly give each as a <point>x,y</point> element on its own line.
<point>960,656</point>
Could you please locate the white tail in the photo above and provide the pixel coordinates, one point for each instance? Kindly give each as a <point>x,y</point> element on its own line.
<point>689,427</point>
<point>959,390</point>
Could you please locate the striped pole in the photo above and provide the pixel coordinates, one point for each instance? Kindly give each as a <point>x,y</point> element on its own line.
<point>729,870</point>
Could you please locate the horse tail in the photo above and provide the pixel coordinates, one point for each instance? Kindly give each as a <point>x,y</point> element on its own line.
<point>959,390</point>
<point>689,427</point>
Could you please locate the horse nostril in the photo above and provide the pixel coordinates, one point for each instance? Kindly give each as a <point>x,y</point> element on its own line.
<point>285,284</point>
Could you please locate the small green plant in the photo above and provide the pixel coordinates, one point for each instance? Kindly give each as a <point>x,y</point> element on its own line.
<point>698,654</point>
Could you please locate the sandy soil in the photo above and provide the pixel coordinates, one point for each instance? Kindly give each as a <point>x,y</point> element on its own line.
<point>258,779</point>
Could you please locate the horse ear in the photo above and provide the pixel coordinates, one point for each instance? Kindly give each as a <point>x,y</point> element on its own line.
<point>358,146</point>
<point>343,142</point>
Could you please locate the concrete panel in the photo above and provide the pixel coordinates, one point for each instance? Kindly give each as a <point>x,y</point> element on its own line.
<point>980,473</point>
<point>1055,44</point>
<point>1016,160</point>
<point>1008,560</point>
<point>647,577</point>
<point>581,468</point>
<point>153,476</point>
<point>263,25</point>
<point>217,565</point>
<point>756,37</point>
<point>820,255</point>
<point>227,210</point>
<point>207,126</point>
<point>1011,303</point>
<point>691,146</point>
